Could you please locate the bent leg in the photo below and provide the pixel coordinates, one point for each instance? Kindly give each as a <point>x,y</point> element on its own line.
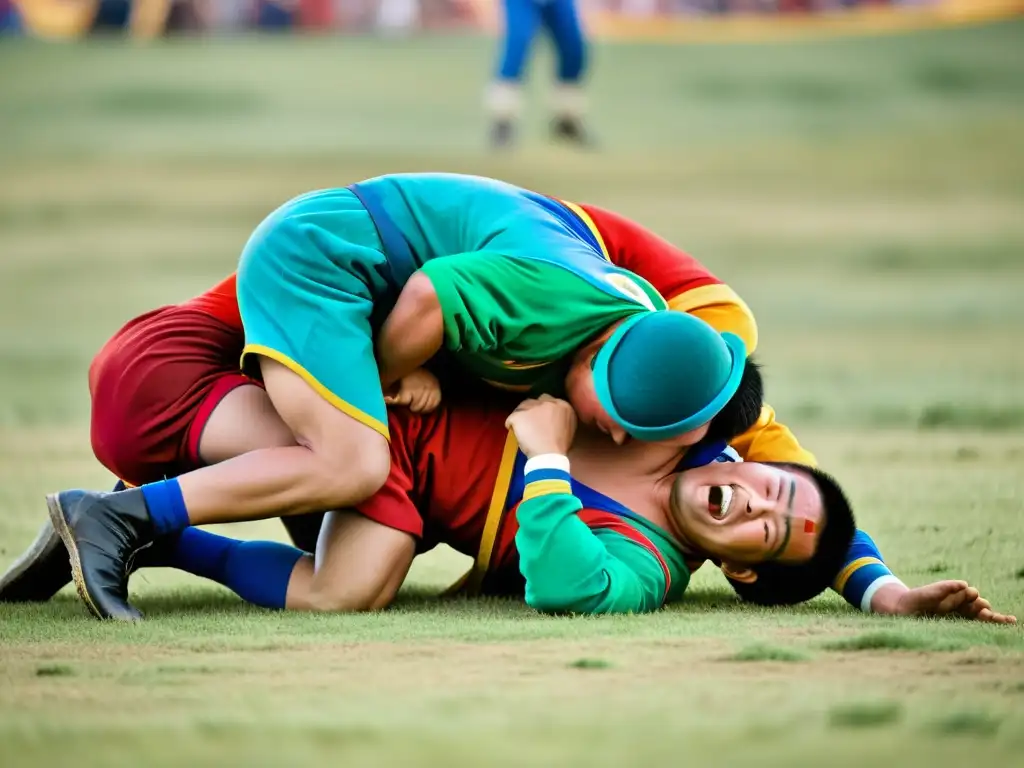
<point>338,462</point>
<point>243,421</point>
<point>305,301</point>
<point>361,565</point>
<point>305,290</point>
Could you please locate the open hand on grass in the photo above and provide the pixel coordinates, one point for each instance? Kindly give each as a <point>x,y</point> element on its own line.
<point>943,598</point>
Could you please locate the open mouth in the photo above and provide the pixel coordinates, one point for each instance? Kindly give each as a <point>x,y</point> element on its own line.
<point>719,501</point>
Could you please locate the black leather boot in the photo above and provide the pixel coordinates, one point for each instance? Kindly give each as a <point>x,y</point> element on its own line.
<point>43,569</point>
<point>101,532</point>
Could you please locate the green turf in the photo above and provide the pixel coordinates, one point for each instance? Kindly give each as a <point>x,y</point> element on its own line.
<point>865,714</point>
<point>865,197</point>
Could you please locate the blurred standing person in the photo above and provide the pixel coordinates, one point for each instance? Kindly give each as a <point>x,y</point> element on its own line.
<point>523,18</point>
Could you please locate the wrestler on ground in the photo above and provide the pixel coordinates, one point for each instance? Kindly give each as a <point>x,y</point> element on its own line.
<point>515,285</point>
<point>583,551</point>
<point>622,534</point>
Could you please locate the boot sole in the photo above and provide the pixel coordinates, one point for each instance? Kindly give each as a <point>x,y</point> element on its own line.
<point>45,544</point>
<point>60,525</point>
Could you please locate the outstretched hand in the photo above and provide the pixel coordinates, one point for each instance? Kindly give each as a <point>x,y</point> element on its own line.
<point>948,598</point>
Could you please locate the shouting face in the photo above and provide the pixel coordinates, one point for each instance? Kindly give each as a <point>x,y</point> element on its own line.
<point>747,513</point>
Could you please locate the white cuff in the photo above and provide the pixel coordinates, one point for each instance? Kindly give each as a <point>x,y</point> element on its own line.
<point>873,587</point>
<point>569,100</point>
<point>547,461</point>
<point>503,99</point>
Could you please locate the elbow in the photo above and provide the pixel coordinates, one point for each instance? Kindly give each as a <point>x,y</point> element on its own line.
<point>412,333</point>
<point>419,296</point>
<point>746,329</point>
<point>422,323</point>
<point>549,604</point>
<point>724,311</point>
<point>742,323</point>
<point>557,605</point>
<point>543,595</point>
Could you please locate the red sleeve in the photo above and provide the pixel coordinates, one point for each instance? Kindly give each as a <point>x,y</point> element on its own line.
<point>631,246</point>
<point>686,284</point>
<point>220,301</point>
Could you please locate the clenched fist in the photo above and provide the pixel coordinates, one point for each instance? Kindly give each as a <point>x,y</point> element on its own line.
<point>420,391</point>
<point>543,425</point>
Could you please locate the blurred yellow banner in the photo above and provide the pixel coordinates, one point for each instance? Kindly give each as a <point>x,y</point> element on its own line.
<point>862,20</point>
<point>674,27</point>
<point>75,18</point>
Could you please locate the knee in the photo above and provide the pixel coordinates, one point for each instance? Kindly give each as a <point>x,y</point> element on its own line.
<point>328,603</point>
<point>352,598</point>
<point>371,467</point>
<point>350,477</point>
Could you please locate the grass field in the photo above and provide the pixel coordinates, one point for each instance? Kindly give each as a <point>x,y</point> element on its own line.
<point>866,198</point>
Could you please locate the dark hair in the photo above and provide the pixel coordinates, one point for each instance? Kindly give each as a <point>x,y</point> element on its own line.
<point>789,584</point>
<point>743,409</point>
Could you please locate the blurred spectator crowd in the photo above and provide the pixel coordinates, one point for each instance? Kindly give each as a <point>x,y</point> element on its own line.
<point>75,17</point>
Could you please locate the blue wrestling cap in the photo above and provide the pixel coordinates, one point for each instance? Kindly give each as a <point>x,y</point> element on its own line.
<point>663,373</point>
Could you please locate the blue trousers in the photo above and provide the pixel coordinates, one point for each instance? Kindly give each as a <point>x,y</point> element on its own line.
<point>523,18</point>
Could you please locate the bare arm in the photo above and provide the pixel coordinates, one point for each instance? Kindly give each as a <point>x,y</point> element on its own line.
<point>413,332</point>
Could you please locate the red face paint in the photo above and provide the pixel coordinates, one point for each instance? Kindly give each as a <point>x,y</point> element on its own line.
<point>808,526</point>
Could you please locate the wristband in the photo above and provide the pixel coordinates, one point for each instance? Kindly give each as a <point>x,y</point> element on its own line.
<point>546,474</point>
<point>873,587</point>
<point>555,461</point>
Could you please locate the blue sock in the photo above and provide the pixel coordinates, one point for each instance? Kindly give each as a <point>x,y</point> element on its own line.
<point>166,506</point>
<point>256,571</point>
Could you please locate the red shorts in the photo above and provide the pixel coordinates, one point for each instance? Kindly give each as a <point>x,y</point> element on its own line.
<point>397,504</point>
<point>443,469</point>
<point>154,386</point>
